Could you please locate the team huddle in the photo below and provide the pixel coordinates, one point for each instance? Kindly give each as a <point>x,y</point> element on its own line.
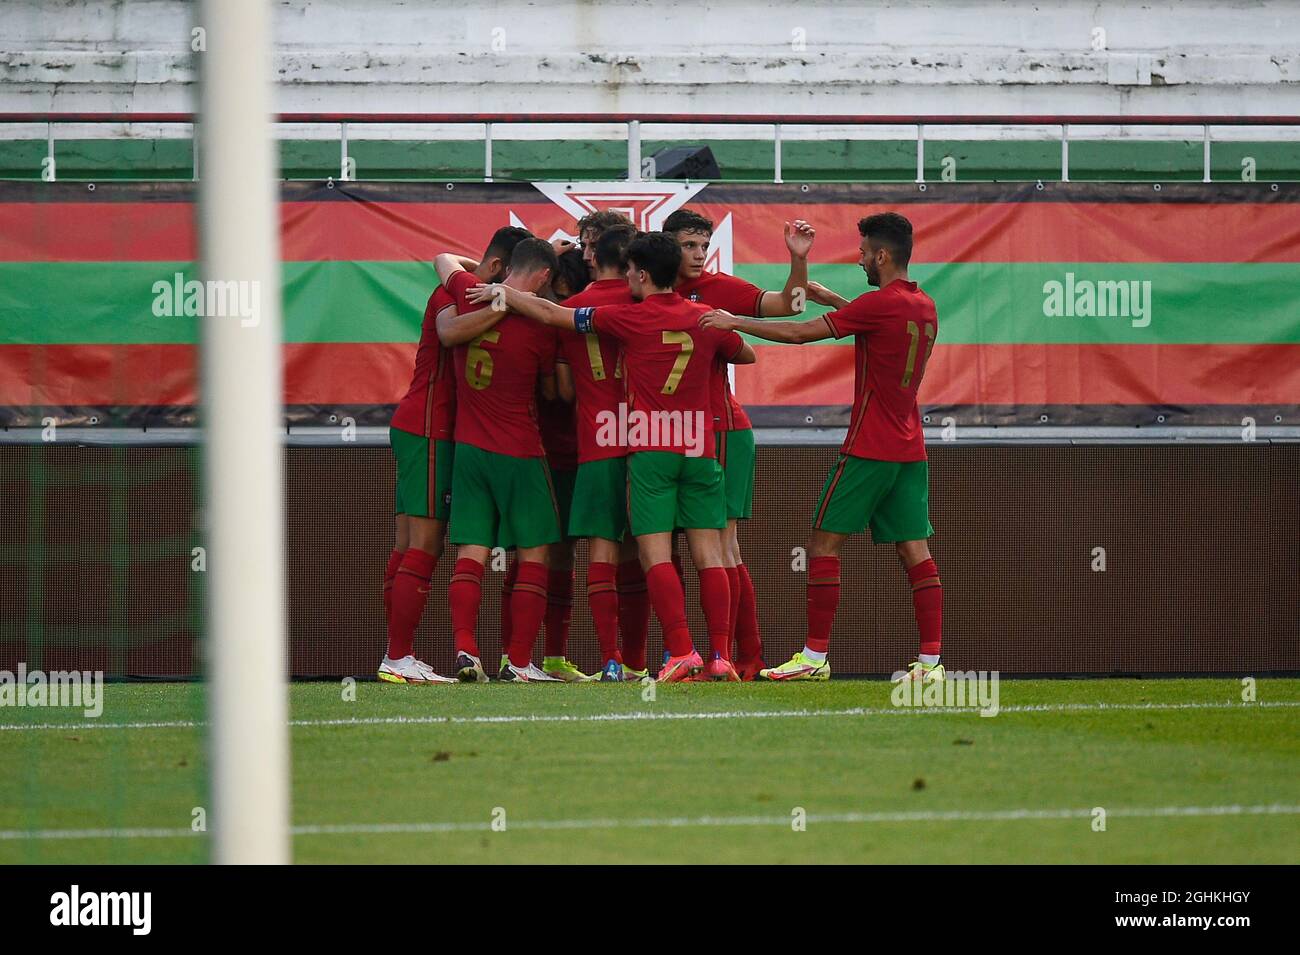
<point>564,394</point>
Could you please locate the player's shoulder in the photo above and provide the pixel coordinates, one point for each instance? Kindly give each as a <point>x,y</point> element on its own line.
<point>721,280</point>
<point>598,294</point>
<point>440,299</point>
<point>459,280</point>
<point>523,327</point>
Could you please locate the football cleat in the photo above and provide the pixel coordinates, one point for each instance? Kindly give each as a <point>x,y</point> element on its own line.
<point>612,672</point>
<point>632,676</point>
<point>798,667</point>
<point>469,668</point>
<point>529,674</point>
<point>720,671</point>
<point>677,669</point>
<point>504,669</point>
<point>925,672</point>
<point>749,669</point>
<point>563,670</point>
<point>409,670</point>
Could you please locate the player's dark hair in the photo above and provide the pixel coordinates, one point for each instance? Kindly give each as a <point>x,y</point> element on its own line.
<point>611,247</point>
<point>503,242</point>
<point>532,255</point>
<point>659,254</point>
<point>571,273</point>
<point>688,220</point>
<point>892,231</point>
<point>601,220</point>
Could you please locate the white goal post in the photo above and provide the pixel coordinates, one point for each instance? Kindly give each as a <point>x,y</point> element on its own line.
<point>242,454</point>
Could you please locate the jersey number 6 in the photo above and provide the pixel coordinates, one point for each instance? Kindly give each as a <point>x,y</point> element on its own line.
<point>478,360</point>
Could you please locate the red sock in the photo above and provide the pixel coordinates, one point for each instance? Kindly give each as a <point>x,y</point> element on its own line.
<point>527,607</point>
<point>927,601</point>
<point>507,588</point>
<point>733,588</point>
<point>670,607</point>
<point>410,593</point>
<point>749,644</point>
<point>602,598</point>
<point>633,612</point>
<point>823,598</point>
<point>715,598</point>
<point>680,568</point>
<point>559,610</point>
<point>464,596</point>
<point>394,561</point>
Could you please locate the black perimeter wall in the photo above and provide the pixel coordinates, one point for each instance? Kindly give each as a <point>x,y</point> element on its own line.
<point>1202,562</point>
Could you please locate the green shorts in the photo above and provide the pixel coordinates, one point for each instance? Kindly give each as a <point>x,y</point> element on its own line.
<point>666,491</point>
<point>600,500</point>
<point>890,497</point>
<point>502,501</point>
<point>424,471</point>
<point>563,482</point>
<point>736,455</point>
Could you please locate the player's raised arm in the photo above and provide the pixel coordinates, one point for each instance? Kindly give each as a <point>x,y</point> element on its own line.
<point>448,263</point>
<point>793,333</point>
<point>799,237</point>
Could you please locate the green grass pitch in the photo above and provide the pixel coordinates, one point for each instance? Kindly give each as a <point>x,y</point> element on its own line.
<point>1185,772</point>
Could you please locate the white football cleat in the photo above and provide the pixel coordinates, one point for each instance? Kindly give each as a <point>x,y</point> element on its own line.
<point>529,674</point>
<point>469,668</point>
<point>410,670</point>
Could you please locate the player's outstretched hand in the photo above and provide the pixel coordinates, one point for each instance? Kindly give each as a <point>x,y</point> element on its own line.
<point>495,295</point>
<point>821,294</point>
<point>799,237</point>
<point>719,318</point>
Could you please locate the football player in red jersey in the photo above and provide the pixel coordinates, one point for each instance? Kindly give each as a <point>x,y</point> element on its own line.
<point>560,439</point>
<point>735,435</point>
<point>673,481</point>
<point>589,370</point>
<point>881,480</point>
<point>421,434</point>
<point>590,229</point>
<point>504,496</point>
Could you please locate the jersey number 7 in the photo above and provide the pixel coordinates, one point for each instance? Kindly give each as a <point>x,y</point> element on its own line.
<point>683,359</point>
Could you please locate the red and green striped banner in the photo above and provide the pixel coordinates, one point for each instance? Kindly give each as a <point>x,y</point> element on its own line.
<point>1084,303</point>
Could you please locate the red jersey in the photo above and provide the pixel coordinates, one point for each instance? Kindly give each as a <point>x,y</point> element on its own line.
<point>597,365</point>
<point>556,420</point>
<point>429,408</point>
<point>496,387</point>
<point>669,361</point>
<point>457,285</point>
<point>719,290</point>
<point>894,330</point>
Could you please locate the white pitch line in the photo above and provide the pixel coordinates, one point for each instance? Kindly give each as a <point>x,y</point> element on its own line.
<point>679,822</point>
<point>644,715</point>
